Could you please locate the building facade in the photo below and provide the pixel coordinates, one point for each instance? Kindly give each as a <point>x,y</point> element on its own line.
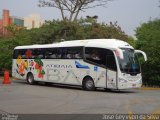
<point>18,21</point>
<point>33,21</point>
<point>29,22</point>
<point>7,20</point>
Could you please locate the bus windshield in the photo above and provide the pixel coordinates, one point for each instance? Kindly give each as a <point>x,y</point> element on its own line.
<point>129,63</point>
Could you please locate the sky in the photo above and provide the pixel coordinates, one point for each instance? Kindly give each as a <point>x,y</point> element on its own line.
<point>130,14</point>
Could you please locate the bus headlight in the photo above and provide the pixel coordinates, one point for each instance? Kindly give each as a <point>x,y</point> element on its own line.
<point>122,80</point>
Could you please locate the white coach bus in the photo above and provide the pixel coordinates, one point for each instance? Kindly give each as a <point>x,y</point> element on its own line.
<point>97,63</point>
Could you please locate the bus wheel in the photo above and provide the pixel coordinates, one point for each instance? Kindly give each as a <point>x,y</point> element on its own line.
<point>30,79</point>
<point>88,84</point>
<point>48,83</point>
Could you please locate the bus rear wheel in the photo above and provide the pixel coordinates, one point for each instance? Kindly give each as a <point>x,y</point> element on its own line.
<point>30,79</point>
<point>88,84</point>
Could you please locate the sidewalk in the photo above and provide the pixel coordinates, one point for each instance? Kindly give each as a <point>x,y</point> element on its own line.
<point>149,88</point>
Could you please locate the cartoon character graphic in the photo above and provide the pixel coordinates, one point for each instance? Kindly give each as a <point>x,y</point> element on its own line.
<point>38,67</point>
<point>22,66</point>
<point>29,64</point>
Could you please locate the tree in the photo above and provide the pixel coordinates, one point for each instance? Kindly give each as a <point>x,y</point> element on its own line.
<point>14,29</point>
<point>55,31</point>
<point>74,7</point>
<point>148,35</point>
<point>132,41</point>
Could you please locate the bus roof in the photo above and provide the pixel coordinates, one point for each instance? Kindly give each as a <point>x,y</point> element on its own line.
<point>100,43</point>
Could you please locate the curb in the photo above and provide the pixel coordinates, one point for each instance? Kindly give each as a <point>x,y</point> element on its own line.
<point>149,88</point>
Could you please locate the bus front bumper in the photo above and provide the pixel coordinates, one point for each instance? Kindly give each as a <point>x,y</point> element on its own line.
<point>129,85</point>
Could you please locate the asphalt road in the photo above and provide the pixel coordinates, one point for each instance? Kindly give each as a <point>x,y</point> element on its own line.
<point>21,98</point>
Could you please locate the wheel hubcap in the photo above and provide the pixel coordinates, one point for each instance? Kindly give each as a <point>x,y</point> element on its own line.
<point>89,84</point>
<point>30,79</point>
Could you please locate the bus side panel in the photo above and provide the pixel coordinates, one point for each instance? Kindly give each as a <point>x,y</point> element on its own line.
<point>85,70</point>
<point>101,78</point>
<point>62,71</point>
<point>73,72</point>
<point>59,71</point>
<point>98,74</point>
<point>19,68</point>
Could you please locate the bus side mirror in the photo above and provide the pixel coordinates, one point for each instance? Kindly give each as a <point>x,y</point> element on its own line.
<point>143,53</point>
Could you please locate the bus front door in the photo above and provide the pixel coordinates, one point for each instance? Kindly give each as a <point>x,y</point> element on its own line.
<point>111,79</point>
<point>111,72</point>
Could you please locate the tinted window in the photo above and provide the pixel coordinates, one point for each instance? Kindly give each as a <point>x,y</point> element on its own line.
<point>100,56</point>
<point>19,53</point>
<point>38,53</point>
<point>72,52</point>
<point>15,54</point>
<point>111,62</point>
<point>95,55</point>
<point>52,53</point>
<point>29,53</point>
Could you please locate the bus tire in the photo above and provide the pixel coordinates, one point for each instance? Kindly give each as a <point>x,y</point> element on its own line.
<point>30,79</point>
<point>48,83</point>
<point>88,84</point>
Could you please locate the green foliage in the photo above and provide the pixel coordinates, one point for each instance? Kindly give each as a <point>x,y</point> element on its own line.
<point>13,30</point>
<point>148,35</point>
<point>132,41</point>
<point>55,31</point>
<point>6,49</point>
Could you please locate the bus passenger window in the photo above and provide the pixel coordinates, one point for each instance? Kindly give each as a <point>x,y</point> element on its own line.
<point>52,53</point>
<point>28,54</point>
<point>78,55</point>
<point>101,57</point>
<point>95,55</point>
<point>15,54</point>
<point>38,53</point>
<point>72,53</point>
<point>20,53</point>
